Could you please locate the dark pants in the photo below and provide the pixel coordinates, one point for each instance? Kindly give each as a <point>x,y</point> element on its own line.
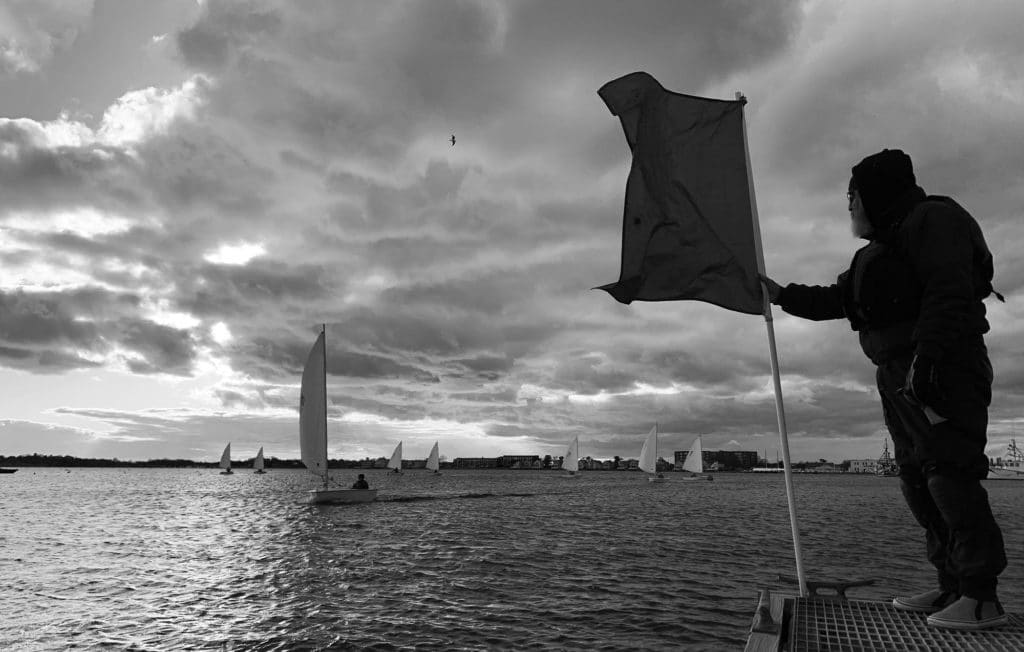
<point>942,465</point>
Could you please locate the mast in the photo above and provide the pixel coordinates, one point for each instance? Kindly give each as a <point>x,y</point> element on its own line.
<point>774,361</point>
<point>327,462</point>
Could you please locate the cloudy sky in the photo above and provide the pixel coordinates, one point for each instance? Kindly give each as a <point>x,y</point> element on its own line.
<point>190,189</point>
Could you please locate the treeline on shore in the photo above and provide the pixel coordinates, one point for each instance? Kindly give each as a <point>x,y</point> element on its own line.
<point>35,459</point>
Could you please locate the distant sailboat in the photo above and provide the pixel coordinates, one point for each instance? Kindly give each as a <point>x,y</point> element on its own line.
<point>1010,467</point>
<point>571,461</point>
<point>649,456</point>
<point>258,464</point>
<point>886,464</point>
<point>395,463</point>
<point>313,428</point>
<point>433,460</point>
<point>694,463</point>
<point>225,460</point>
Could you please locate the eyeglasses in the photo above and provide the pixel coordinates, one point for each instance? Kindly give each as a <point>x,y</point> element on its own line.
<point>850,194</point>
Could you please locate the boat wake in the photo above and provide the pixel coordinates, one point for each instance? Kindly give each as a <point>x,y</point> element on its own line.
<point>458,496</point>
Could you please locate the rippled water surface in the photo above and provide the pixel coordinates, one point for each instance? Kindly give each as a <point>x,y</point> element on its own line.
<point>169,559</point>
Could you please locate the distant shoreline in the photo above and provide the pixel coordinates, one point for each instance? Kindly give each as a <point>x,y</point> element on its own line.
<point>36,460</point>
<point>66,461</point>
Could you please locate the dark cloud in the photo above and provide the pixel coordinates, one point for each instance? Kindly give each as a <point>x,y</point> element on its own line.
<point>224,31</point>
<point>241,291</point>
<point>53,327</point>
<point>164,349</point>
<point>39,177</point>
<point>37,318</point>
<point>196,169</point>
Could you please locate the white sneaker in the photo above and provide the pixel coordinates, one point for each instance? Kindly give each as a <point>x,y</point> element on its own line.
<point>927,602</point>
<point>968,613</point>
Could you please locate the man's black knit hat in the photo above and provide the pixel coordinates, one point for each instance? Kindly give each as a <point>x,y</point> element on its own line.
<point>881,179</point>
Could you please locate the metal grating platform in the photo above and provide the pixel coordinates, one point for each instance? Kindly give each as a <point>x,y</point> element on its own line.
<point>875,625</point>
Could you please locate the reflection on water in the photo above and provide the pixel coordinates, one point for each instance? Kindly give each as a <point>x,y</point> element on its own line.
<point>172,559</point>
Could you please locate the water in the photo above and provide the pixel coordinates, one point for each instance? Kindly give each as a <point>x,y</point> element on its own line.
<point>171,559</point>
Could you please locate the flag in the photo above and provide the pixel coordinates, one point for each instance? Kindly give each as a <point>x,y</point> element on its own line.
<point>688,229</point>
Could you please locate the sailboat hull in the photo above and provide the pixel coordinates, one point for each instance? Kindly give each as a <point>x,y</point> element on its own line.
<point>320,496</point>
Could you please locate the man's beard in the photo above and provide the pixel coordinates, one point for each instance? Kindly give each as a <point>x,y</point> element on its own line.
<point>860,226</point>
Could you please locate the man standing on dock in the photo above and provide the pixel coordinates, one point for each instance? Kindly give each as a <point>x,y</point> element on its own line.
<point>914,295</point>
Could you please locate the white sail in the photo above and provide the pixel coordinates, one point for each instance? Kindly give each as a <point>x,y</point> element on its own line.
<point>396,458</point>
<point>313,428</point>
<point>313,411</point>
<point>649,452</point>
<point>695,458</point>
<point>433,462</point>
<point>258,464</point>
<point>571,461</point>
<point>225,457</point>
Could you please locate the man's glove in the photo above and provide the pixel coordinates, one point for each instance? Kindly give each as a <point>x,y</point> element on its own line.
<point>922,384</point>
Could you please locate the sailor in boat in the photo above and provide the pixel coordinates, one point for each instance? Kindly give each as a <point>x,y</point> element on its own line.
<point>361,483</point>
<point>914,295</point>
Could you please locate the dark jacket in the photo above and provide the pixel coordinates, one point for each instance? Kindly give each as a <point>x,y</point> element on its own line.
<point>916,287</point>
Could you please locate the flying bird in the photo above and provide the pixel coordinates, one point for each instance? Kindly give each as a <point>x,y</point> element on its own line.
<point>453,140</point>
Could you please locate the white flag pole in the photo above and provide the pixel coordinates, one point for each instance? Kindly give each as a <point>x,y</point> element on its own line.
<point>779,411</point>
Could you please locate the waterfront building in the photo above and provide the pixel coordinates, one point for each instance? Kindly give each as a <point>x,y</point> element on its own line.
<point>475,463</point>
<point>863,466</point>
<point>520,462</point>
<point>721,460</point>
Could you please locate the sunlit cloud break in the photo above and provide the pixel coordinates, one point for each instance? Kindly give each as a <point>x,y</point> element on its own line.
<point>236,254</point>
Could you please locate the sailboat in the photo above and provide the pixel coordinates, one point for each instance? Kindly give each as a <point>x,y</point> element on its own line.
<point>571,461</point>
<point>649,456</point>
<point>1010,467</point>
<point>694,463</point>
<point>886,464</point>
<point>225,460</point>
<point>395,463</point>
<point>433,461</point>
<point>313,428</point>
<point>258,463</point>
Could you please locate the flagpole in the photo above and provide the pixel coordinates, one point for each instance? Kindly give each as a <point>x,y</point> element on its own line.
<point>779,411</point>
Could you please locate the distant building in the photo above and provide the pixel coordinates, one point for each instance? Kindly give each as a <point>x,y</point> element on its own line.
<point>519,461</point>
<point>721,460</point>
<point>475,463</point>
<point>863,466</point>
